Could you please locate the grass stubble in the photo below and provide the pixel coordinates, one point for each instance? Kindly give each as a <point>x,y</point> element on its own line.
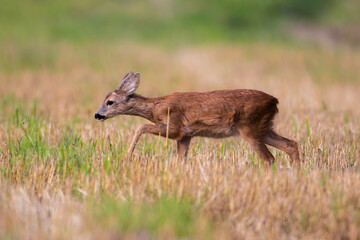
<point>62,175</point>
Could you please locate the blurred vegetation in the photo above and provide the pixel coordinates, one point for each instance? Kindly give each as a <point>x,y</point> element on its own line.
<point>167,216</point>
<point>52,145</point>
<point>160,20</point>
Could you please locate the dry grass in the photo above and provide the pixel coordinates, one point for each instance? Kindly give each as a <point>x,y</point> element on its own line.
<point>55,192</point>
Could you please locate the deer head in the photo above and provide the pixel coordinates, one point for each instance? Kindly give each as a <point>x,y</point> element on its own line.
<point>116,102</point>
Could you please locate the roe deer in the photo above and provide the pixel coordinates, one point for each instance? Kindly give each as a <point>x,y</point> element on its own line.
<point>216,114</point>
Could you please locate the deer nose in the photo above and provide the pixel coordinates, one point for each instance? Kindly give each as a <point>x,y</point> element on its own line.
<point>99,117</point>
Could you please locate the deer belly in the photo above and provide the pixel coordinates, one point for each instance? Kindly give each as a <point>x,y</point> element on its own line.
<point>212,131</point>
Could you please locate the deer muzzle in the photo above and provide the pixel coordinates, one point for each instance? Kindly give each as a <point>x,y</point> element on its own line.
<point>99,117</point>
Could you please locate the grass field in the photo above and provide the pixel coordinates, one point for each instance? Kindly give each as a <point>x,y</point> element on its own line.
<point>64,176</point>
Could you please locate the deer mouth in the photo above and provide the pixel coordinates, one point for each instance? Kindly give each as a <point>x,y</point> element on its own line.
<point>99,117</point>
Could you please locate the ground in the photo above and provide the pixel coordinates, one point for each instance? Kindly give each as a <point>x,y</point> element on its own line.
<point>63,174</point>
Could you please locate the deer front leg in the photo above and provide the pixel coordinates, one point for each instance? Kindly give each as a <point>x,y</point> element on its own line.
<point>183,147</point>
<point>152,129</point>
<point>138,133</point>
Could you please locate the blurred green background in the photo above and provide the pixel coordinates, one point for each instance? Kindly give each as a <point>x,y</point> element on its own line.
<point>169,22</point>
<point>67,54</point>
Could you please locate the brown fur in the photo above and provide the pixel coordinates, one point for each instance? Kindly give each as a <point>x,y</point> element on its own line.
<point>215,114</point>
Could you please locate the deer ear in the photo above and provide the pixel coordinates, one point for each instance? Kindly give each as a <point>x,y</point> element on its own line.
<point>130,82</point>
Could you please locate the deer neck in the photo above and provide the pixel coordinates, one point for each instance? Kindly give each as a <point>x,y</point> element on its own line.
<point>141,106</point>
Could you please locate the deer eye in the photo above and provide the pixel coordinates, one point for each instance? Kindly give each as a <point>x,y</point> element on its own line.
<point>109,103</point>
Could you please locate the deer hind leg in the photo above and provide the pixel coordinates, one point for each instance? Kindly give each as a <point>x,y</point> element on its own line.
<point>152,129</point>
<point>263,151</point>
<point>284,144</point>
<point>258,145</point>
<point>183,147</point>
